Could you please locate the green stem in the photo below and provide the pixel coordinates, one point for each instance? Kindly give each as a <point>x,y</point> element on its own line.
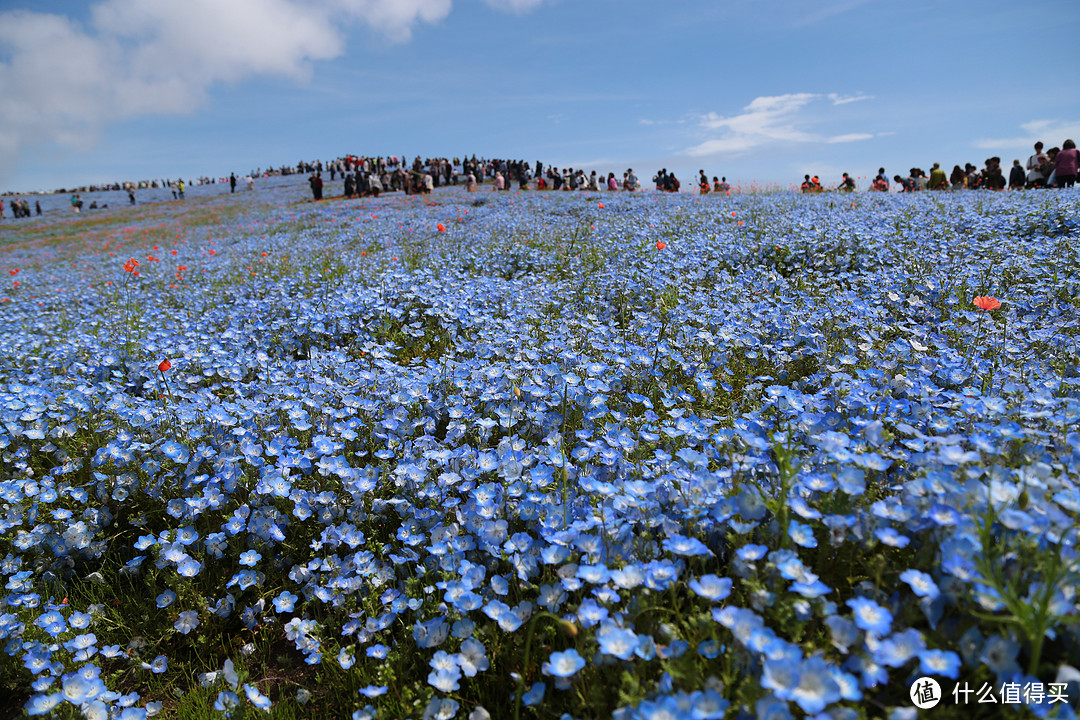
<point>525,664</point>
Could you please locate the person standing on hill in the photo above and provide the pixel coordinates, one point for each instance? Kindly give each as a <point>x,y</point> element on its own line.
<point>992,176</point>
<point>1066,165</point>
<point>881,181</point>
<point>316,183</point>
<point>1016,176</point>
<point>958,178</point>
<point>937,180</point>
<point>232,182</point>
<point>1038,167</point>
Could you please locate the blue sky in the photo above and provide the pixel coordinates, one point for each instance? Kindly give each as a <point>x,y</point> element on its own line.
<point>761,91</point>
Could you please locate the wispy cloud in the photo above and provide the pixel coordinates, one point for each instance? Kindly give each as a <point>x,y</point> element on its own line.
<point>650,122</point>
<point>769,120</point>
<point>823,11</point>
<point>1050,132</point>
<point>850,137</point>
<point>845,99</point>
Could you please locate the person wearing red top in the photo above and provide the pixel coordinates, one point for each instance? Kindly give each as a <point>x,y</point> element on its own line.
<point>1066,164</point>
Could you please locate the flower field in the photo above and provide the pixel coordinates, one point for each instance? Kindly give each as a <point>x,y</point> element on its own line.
<point>539,455</point>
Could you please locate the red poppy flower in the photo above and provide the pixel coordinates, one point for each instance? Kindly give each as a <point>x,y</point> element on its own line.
<point>164,365</point>
<point>440,227</point>
<point>661,245</point>
<point>987,303</point>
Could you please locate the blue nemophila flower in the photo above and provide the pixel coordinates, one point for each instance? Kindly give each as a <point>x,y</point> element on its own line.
<point>629,576</point>
<point>188,621</point>
<point>441,709</point>
<point>250,558</point>
<point>842,631</point>
<point>711,587</point>
<point>445,673</point>
<point>891,537</point>
<point>852,480</point>
<point>166,599</point>
<point>921,584</point>
<point>534,694</point>
<point>78,689</point>
<point>751,552</point>
<point>999,655</point>
<point>816,688</point>
<point>939,662</point>
<point>285,602</point>
<point>186,535</point>
<point>434,632</point>
<point>810,586</point>
<point>373,691</point>
<point>226,701</point>
<point>688,546</point>
<point>595,574</point>
<point>471,657</point>
<point>43,704</point>
<point>870,616</point>
<point>175,451</point>
<point>145,541</point>
<point>51,622</point>
<point>750,504</point>
<point>590,613</point>
<point>708,649</point>
<point>617,641</point>
<point>189,568</point>
<point>897,649</point>
<point>564,664</point>
<point>81,642</point>
<point>802,535</point>
<point>257,698</point>
<point>781,676</point>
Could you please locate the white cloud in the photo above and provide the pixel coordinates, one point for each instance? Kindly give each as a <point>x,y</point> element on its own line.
<point>395,18</point>
<point>845,99</point>
<point>1050,132</point>
<point>850,137</point>
<point>768,120</point>
<point>64,82</point>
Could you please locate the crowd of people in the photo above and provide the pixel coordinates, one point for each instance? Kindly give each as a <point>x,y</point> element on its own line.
<point>370,176</point>
<point>20,208</point>
<point>363,177</point>
<point>1056,168</point>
